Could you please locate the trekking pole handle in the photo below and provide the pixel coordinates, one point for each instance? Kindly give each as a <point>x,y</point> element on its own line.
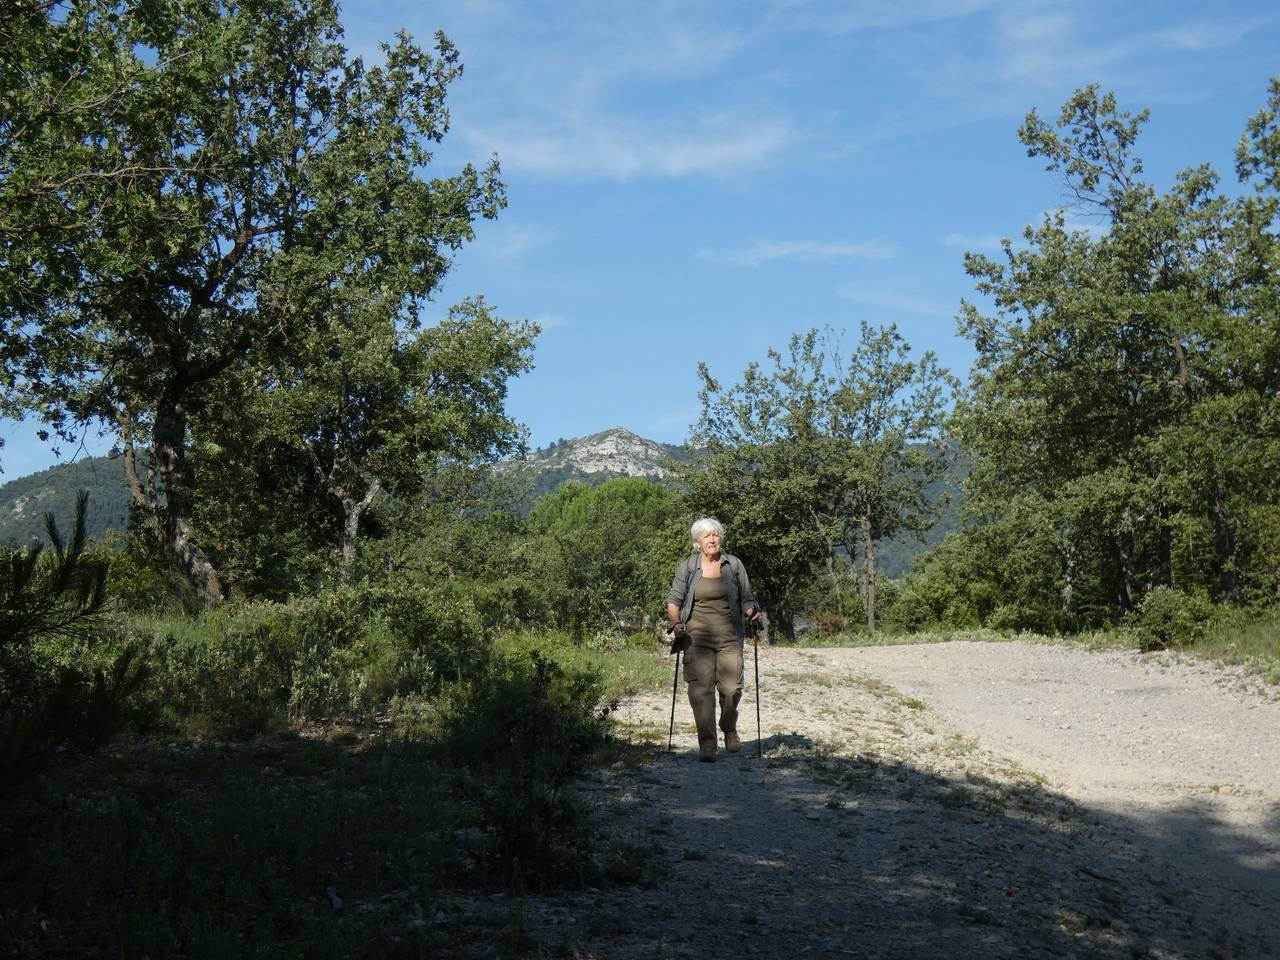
<point>680,638</point>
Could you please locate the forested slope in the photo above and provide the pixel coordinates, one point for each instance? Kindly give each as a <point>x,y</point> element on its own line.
<point>25,500</point>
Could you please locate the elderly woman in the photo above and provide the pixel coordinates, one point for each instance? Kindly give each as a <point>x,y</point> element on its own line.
<point>708,604</point>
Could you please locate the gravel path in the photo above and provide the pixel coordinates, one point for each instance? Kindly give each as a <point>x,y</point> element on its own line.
<point>948,801</point>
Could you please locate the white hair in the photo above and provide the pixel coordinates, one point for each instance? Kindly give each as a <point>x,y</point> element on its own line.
<point>702,527</point>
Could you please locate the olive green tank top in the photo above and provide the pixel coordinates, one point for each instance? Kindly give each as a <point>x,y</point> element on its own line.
<point>710,620</point>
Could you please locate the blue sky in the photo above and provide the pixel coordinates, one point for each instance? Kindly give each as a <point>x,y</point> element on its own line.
<point>696,181</point>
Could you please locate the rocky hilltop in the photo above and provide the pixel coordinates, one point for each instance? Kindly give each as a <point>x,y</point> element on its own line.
<point>617,452</point>
<point>593,459</point>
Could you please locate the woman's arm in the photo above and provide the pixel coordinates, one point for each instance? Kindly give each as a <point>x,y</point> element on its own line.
<point>673,616</point>
<point>745,597</point>
<point>679,589</point>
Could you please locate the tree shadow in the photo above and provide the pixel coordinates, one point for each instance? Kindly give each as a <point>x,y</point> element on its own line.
<point>803,853</point>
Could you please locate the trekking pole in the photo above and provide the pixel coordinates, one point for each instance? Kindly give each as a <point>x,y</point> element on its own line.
<point>675,683</point>
<point>755,647</point>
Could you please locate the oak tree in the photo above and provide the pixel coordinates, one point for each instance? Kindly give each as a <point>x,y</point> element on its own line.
<point>180,181</point>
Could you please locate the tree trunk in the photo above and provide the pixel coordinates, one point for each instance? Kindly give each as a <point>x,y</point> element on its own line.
<point>352,513</point>
<point>835,578</point>
<point>1164,548</point>
<point>1068,556</point>
<point>136,487</point>
<point>1122,561</point>
<point>869,573</point>
<point>169,452</point>
<point>1224,548</point>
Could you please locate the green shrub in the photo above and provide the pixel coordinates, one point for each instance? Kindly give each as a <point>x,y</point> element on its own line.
<point>1023,617</point>
<point>143,573</point>
<point>947,586</point>
<point>527,727</point>
<point>236,669</point>
<point>439,628</point>
<point>1167,618</point>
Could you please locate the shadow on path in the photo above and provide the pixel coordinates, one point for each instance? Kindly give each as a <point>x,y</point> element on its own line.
<point>808,854</point>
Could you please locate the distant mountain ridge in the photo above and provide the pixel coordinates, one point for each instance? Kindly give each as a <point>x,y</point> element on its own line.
<point>593,459</point>
<point>25,500</point>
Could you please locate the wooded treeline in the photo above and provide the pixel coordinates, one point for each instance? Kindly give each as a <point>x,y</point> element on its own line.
<point>1123,419</point>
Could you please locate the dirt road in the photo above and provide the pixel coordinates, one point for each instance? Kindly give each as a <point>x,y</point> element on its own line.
<point>951,801</point>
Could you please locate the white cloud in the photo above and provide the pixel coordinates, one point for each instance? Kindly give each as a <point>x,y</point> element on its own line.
<point>891,300</point>
<point>507,243</point>
<point>801,251</point>
<point>1208,34</point>
<point>1096,228</point>
<point>615,90</point>
<point>1048,49</point>
<point>549,321</point>
<point>618,90</point>
<point>599,146</point>
<point>1030,52</point>
<point>842,16</point>
<point>973,241</point>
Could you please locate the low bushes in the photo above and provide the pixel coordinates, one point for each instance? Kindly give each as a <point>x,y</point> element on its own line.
<point>238,668</point>
<point>200,847</point>
<point>526,727</point>
<point>1170,618</point>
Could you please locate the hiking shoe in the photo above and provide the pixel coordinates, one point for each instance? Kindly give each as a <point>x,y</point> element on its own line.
<point>707,753</point>
<point>732,742</point>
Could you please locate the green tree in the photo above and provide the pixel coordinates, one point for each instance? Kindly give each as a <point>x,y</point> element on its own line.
<point>369,407</point>
<point>759,473</point>
<point>461,533</point>
<point>606,549</point>
<point>181,183</point>
<point>884,418</point>
<point>1124,398</point>
<point>819,458</point>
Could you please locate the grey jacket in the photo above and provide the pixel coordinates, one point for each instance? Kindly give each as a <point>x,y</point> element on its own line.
<point>737,584</point>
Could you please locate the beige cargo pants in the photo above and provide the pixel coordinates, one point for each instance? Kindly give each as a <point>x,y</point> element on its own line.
<point>714,667</point>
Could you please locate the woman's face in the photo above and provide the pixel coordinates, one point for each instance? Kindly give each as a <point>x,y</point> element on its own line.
<point>709,544</point>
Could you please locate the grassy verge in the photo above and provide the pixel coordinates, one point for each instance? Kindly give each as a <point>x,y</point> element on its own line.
<point>1253,644</point>
<point>626,665</point>
<point>1238,640</point>
<point>893,638</point>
